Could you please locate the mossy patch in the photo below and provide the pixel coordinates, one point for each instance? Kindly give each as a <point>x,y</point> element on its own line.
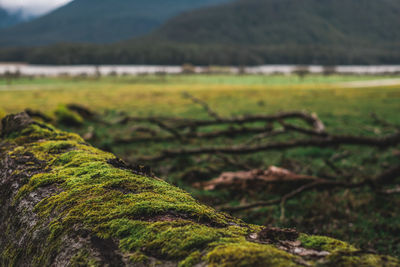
<point>68,117</point>
<point>191,260</point>
<point>244,253</point>
<point>113,201</point>
<point>170,240</point>
<point>145,216</point>
<point>10,255</point>
<point>359,259</point>
<point>138,257</point>
<point>83,259</point>
<point>2,114</point>
<point>323,243</point>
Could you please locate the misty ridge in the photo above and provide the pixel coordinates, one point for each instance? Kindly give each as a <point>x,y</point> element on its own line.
<point>220,32</point>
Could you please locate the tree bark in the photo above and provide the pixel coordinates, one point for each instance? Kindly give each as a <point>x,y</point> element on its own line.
<point>65,203</point>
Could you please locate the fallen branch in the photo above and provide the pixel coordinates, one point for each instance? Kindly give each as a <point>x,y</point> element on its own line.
<point>182,123</point>
<point>387,177</point>
<point>231,132</point>
<point>315,131</point>
<point>321,183</point>
<point>383,122</point>
<point>392,191</point>
<point>206,107</point>
<point>255,179</point>
<point>178,127</point>
<point>330,140</point>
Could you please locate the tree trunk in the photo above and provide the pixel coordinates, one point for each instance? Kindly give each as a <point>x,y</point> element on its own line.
<point>65,203</point>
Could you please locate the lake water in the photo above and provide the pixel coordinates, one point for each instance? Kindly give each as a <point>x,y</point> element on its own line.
<point>42,70</point>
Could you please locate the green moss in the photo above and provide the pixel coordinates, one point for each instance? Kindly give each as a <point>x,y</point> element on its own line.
<point>10,255</point>
<point>2,114</point>
<point>147,216</point>
<point>171,239</point>
<point>52,246</point>
<point>344,254</point>
<point>323,243</point>
<point>357,259</point>
<point>191,260</point>
<point>68,117</point>
<point>83,259</point>
<point>138,257</point>
<point>244,253</point>
<point>114,201</point>
<point>54,147</point>
<point>37,132</point>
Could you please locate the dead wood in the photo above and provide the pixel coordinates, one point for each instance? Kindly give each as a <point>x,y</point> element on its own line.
<point>204,104</point>
<point>375,183</point>
<point>256,179</point>
<point>328,141</point>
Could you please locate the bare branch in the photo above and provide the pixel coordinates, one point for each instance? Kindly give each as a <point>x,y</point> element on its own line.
<point>383,122</point>
<point>392,191</point>
<point>181,123</point>
<point>291,127</point>
<point>262,136</point>
<point>332,140</point>
<point>320,183</point>
<point>386,177</point>
<point>318,125</point>
<point>206,107</point>
<point>167,128</point>
<point>231,132</point>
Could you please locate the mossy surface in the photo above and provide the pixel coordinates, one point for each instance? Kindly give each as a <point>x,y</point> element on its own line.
<point>83,258</point>
<point>145,216</point>
<point>323,243</point>
<point>68,117</point>
<point>191,260</point>
<point>244,253</point>
<point>357,259</point>
<point>2,113</point>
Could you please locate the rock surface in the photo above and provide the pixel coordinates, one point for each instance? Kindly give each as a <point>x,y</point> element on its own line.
<point>65,203</point>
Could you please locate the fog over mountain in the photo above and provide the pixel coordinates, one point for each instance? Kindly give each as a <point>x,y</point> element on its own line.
<point>31,7</point>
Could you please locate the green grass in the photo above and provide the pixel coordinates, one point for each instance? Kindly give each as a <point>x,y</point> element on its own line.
<point>227,94</point>
<point>277,79</point>
<point>358,216</point>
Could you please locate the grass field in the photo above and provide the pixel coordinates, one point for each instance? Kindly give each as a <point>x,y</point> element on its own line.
<point>346,109</point>
<point>370,221</point>
<point>227,94</point>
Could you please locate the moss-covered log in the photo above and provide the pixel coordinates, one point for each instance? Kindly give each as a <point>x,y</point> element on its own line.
<point>65,203</point>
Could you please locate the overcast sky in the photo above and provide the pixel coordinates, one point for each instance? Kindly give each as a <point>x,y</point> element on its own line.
<point>32,6</point>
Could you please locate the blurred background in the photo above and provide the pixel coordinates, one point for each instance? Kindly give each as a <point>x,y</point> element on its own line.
<point>281,112</point>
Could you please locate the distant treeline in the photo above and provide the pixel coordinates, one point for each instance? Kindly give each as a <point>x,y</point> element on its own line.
<point>168,53</point>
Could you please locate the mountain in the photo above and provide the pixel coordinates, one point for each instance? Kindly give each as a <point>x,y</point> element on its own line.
<point>98,21</point>
<point>289,22</point>
<point>236,32</point>
<point>8,19</point>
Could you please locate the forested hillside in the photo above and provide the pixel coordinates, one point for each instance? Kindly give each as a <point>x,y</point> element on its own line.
<point>289,22</point>
<point>98,21</point>
<point>244,32</point>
